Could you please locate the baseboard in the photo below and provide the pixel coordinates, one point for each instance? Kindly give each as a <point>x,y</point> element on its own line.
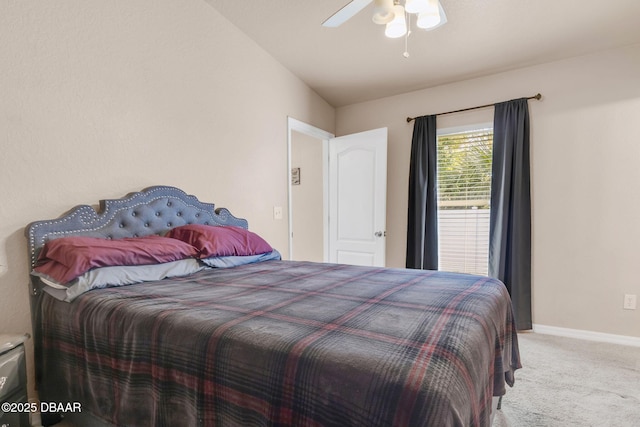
<point>587,335</point>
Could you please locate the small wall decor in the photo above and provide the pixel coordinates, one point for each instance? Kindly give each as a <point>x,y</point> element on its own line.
<point>295,176</point>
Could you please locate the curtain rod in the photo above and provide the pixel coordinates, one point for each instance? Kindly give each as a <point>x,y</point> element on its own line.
<point>410,119</point>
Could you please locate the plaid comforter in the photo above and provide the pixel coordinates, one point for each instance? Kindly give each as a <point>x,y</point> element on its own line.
<point>284,343</point>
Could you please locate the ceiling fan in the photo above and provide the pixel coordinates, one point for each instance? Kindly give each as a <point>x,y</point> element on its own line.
<point>392,14</point>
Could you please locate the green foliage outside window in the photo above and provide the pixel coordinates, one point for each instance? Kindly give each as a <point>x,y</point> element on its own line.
<point>464,170</point>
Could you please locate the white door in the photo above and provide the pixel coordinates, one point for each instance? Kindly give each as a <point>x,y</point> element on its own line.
<point>358,198</point>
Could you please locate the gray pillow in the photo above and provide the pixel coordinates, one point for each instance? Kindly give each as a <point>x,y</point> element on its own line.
<point>107,277</point>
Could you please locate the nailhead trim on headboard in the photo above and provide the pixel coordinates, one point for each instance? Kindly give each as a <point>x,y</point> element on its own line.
<point>136,214</point>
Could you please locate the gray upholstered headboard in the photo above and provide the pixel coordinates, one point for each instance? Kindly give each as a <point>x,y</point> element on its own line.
<point>153,210</point>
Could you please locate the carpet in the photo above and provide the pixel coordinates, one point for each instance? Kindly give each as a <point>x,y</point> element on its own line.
<point>570,382</point>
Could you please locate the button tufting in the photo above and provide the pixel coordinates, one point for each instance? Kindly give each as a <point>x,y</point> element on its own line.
<point>179,214</point>
<point>168,203</point>
<point>168,224</point>
<point>146,224</point>
<point>157,213</point>
<point>197,215</point>
<point>121,225</point>
<point>133,214</point>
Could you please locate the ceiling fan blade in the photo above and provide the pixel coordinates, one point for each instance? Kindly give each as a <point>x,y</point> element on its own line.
<point>346,13</point>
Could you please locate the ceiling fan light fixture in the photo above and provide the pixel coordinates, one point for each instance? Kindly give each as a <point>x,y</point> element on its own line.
<point>395,14</point>
<point>416,6</point>
<point>430,18</point>
<point>398,27</point>
<point>383,12</point>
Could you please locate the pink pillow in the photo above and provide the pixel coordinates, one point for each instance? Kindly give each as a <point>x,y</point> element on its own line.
<point>220,240</point>
<point>66,258</point>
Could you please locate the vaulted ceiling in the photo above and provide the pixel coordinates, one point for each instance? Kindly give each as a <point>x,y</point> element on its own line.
<point>356,62</point>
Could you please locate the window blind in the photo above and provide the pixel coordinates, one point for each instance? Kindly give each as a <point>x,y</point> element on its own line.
<point>464,192</point>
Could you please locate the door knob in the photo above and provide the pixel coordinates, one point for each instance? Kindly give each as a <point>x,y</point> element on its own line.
<point>379,233</point>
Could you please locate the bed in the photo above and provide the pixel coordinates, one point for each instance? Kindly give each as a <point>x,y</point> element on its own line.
<point>252,340</point>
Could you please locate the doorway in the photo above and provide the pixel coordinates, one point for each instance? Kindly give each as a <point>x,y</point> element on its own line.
<point>337,195</point>
<point>308,158</point>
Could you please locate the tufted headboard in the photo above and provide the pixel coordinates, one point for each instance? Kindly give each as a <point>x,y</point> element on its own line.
<point>153,210</point>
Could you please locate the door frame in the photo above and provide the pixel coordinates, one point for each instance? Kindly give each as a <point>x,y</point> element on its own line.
<point>324,136</point>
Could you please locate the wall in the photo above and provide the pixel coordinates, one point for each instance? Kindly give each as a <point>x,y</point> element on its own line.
<point>307,198</point>
<point>101,98</point>
<point>585,156</point>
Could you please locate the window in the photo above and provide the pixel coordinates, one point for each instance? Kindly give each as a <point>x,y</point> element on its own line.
<point>464,192</point>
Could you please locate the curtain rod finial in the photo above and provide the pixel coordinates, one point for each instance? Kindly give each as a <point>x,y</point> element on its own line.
<point>538,96</point>
<point>409,119</point>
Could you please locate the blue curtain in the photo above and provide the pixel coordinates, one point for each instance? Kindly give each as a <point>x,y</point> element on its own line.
<point>510,224</point>
<point>422,220</point>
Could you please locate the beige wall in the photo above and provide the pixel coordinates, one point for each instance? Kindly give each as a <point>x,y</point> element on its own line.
<point>307,198</point>
<point>101,98</point>
<point>585,170</point>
